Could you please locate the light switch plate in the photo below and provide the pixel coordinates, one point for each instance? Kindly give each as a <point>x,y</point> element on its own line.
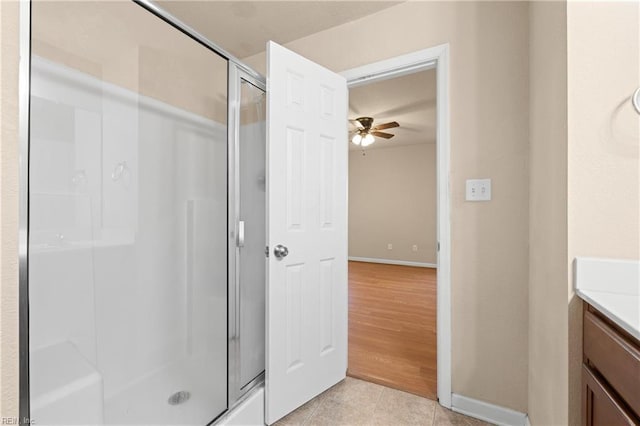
<point>478,190</point>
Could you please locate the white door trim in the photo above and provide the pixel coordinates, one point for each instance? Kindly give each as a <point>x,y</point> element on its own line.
<point>435,57</point>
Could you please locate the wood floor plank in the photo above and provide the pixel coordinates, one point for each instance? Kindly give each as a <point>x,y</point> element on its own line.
<point>392,326</point>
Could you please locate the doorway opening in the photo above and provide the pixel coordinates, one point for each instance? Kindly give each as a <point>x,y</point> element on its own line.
<point>399,225</point>
<point>392,234</point>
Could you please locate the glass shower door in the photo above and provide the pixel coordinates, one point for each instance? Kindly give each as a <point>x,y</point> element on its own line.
<point>247,231</point>
<point>252,278</point>
<point>128,219</point>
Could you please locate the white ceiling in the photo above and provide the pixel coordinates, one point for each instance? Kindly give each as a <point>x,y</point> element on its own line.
<point>410,100</point>
<point>243,27</point>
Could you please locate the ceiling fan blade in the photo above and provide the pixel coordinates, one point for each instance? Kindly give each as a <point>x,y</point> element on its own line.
<point>383,126</point>
<point>357,124</point>
<point>382,135</point>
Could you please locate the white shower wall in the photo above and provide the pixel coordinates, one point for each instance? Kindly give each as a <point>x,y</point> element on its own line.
<point>127,261</point>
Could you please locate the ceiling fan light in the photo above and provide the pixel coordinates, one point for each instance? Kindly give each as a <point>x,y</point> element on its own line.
<point>368,139</point>
<point>357,138</point>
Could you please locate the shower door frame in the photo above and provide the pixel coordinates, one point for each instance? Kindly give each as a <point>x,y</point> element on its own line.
<point>24,100</point>
<point>235,389</point>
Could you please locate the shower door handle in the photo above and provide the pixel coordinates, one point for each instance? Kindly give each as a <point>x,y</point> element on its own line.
<point>241,233</point>
<point>280,251</point>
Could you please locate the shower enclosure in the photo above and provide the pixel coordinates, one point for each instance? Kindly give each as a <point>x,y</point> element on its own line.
<point>146,220</point>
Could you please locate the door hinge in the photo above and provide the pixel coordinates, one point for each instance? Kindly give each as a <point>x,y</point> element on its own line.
<point>266,251</point>
<point>438,245</point>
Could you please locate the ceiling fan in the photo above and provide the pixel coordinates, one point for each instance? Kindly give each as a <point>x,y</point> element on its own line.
<point>365,132</point>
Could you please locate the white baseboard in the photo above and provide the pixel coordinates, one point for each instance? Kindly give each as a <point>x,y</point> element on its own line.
<point>487,412</point>
<point>393,262</point>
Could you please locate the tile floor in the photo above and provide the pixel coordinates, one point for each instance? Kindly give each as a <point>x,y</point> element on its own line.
<point>356,402</point>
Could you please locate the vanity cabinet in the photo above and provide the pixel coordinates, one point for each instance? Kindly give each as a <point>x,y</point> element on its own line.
<point>610,372</point>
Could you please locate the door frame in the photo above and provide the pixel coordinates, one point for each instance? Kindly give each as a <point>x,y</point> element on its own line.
<point>435,57</point>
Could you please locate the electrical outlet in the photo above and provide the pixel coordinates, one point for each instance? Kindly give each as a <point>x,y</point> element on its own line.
<point>414,247</point>
<point>389,246</point>
<point>478,190</point>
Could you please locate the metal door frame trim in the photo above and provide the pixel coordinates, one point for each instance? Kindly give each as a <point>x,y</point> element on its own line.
<point>24,98</point>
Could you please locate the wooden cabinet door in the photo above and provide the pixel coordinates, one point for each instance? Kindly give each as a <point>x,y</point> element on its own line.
<point>615,357</point>
<point>599,407</point>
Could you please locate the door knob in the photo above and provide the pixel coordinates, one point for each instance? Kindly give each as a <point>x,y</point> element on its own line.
<point>280,251</point>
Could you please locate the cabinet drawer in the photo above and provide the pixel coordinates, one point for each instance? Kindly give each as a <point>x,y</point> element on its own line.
<point>599,407</point>
<point>616,359</point>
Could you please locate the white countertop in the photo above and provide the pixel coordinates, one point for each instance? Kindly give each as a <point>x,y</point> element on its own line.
<point>611,286</point>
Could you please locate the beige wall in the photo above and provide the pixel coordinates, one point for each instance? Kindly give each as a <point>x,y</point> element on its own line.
<point>392,199</point>
<point>603,146</point>
<point>604,129</point>
<point>489,138</point>
<point>9,208</point>
<point>548,323</point>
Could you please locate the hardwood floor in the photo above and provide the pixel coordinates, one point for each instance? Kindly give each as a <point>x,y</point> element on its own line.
<point>392,326</point>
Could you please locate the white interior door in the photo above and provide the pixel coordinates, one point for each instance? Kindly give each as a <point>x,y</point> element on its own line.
<point>307,216</point>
